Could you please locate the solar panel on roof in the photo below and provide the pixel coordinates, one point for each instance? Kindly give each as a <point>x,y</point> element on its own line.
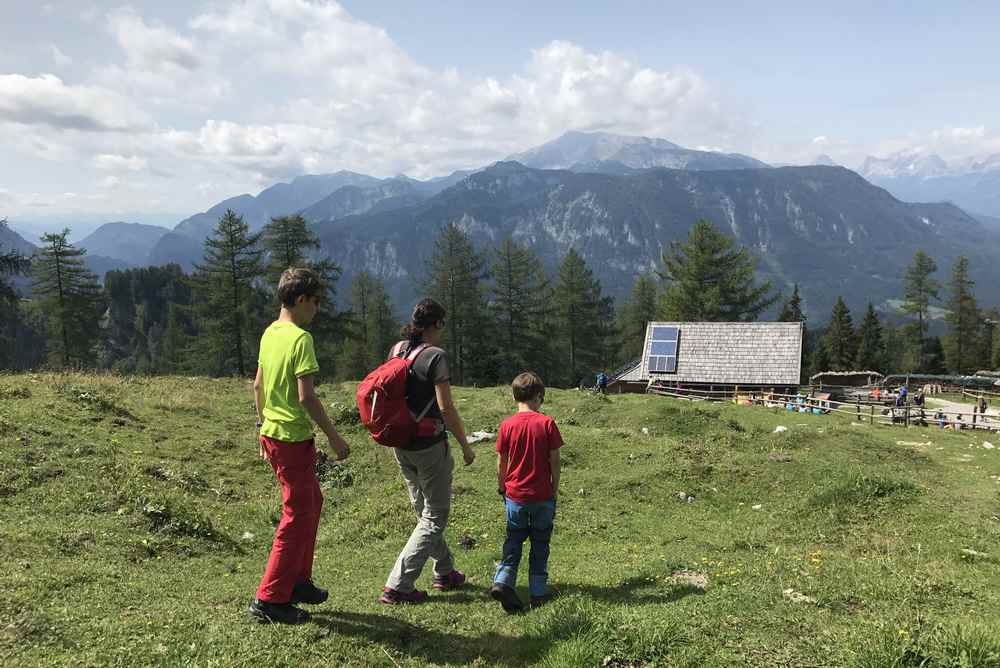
<point>663,349</point>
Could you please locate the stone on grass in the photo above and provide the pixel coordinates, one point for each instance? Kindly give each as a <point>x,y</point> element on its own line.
<point>797,596</point>
<point>780,428</point>
<point>690,579</point>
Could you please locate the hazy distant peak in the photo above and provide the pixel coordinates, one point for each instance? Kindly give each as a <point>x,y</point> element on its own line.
<point>904,163</point>
<point>592,148</point>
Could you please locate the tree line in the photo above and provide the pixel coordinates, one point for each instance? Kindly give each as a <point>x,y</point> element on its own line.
<point>506,312</point>
<point>968,344</point>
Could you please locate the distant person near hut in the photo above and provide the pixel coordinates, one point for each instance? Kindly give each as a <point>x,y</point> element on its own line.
<point>602,383</point>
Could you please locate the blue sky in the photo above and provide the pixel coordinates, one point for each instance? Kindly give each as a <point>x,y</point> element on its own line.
<point>151,109</point>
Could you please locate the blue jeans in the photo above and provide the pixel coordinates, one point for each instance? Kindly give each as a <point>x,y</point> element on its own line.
<point>527,521</point>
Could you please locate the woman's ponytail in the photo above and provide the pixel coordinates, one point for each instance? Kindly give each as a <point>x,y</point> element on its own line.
<point>426,314</point>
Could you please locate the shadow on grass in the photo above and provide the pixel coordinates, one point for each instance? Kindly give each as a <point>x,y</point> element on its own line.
<point>433,646</point>
<point>418,641</point>
<point>640,589</point>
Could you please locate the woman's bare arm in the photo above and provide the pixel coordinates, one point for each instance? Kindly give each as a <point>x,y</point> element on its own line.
<point>452,420</point>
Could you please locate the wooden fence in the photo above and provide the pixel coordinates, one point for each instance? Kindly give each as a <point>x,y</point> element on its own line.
<point>865,412</point>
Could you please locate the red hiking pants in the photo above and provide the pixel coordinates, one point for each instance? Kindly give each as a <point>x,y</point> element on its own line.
<point>295,539</point>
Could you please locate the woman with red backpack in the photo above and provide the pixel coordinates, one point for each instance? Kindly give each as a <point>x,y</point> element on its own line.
<point>426,462</point>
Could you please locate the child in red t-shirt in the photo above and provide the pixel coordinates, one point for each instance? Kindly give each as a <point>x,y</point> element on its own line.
<point>528,476</point>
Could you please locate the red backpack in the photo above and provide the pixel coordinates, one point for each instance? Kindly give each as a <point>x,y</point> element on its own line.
<point>382,403</point>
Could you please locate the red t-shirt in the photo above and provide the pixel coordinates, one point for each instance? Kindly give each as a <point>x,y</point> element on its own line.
<point>526,440</point>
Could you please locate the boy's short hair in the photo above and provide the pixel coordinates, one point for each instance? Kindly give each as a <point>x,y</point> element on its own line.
<point>296,282</point>
<point>527,386</point>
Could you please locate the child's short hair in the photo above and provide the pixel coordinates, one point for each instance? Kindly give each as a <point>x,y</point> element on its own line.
<point>527,386</point>
<point>297,282</point>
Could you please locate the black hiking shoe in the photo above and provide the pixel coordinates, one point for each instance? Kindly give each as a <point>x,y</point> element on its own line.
<point>309,593</point>
<point>507,597</point>
<point>277,613</point>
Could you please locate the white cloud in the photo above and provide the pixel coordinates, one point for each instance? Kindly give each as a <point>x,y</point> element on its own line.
<point>58,57</point>
<point>251,91</point>
<point>110,182</point>
<point>151,47</point>
<point>119,163</point>
<point>47,101</point>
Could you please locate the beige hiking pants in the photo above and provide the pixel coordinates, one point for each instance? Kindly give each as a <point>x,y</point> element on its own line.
<point>428,480</point>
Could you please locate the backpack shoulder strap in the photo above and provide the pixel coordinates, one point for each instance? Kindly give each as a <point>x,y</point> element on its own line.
<point>415,351</point>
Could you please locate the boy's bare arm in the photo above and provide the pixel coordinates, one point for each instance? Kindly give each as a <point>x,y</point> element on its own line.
<point>452,420</point>
<point>554,463</point>
<point>502,465</point>
<point>258,400</point>
<point>312,404</point>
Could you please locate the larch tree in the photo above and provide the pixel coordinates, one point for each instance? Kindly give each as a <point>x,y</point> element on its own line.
<point>70,296</point>
<point>224,288</point>
<point>709,279</point>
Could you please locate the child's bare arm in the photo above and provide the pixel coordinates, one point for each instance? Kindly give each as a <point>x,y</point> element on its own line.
<point>501,472</point>
<point>312,404</point>
<point>258,400</point>
<point>556,470</point>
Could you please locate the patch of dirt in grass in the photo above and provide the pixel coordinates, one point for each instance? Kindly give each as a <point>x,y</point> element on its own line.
<point>688,578</point>
<point>11,393</point>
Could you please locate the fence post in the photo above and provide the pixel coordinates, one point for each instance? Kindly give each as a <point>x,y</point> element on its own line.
<point>906,415</point>
<point>871,413</point>
<point>859,407</point>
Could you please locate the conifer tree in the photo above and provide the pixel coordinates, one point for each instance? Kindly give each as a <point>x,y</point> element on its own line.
<point>820,360</point>
<point>371,325</point>
<point>710,280</point>
<point>454,272</point>
<point>991,319</point>
<point>12,263</point>
<point>919,288</point>
<point>175,340</point>
<point>840,342</point>
<point>871,347</point>
<point>224,287</point>
<point>791,311</point>
<point>934,358</point>
<point>639,309</point>
<point>894,339</point>
<point>290,243</point>
<point>519,305</point>
<point>962,344</point>
<point>70,296</point>
<point>581,319</point>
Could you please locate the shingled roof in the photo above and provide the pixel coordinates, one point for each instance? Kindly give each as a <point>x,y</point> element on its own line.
<point>733,353</point>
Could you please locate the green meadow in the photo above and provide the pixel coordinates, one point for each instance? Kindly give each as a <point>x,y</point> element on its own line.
<point>136,520</point>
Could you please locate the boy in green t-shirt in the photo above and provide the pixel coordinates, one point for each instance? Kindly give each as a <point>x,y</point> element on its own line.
<point>286,400</point>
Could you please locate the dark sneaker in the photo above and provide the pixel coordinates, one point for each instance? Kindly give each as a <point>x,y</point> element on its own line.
<point>277,613</point>
<point>507,597</point>
<point>307,592</point>
<point>453,580</point>
<point>393,597</point>
<point>538,601</point>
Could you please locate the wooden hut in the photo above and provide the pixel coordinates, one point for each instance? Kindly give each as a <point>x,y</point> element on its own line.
<point>723,356</point>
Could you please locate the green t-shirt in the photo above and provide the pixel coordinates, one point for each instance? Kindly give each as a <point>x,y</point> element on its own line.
<point>286,352</point>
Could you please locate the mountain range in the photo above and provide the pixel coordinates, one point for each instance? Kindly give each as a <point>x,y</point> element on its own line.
<point>973,183</point>
<point>619,201</point>
<point>825,228</point>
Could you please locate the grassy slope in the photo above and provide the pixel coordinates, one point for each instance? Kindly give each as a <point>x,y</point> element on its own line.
<point>136,520</point>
